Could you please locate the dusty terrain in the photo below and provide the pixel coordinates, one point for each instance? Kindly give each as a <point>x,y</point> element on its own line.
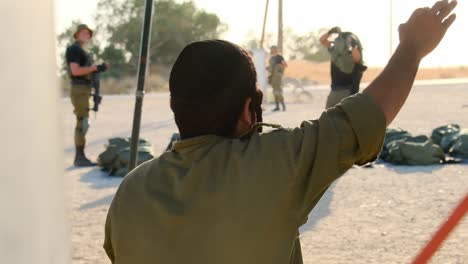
<point>300,70</point>
<point>320,72</point>
<point>379,215</point>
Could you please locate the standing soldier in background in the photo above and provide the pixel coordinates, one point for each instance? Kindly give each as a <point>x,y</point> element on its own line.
<point>276,68</point>
<point>81,69</point>
<point>347,64</point>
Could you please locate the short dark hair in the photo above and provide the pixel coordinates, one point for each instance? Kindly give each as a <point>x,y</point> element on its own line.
<point>209,84</point>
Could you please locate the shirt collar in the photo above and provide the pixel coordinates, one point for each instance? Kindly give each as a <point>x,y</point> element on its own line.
<point>193,143</point>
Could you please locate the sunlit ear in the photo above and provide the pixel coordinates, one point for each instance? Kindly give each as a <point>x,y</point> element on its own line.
<point>245,122</point>
<point>246,116</point>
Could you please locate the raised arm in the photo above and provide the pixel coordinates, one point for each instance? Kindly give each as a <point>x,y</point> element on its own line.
<point>324,38</point>
<point>357,57</point>
<point>418,37</point>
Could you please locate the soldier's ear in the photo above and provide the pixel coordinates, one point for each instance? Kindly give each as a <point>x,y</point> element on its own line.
<point>245,122</point>
<point>246,116</point>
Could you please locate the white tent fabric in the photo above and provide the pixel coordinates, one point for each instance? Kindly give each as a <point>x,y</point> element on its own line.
<point>33,225</point>
<point>259,59</point>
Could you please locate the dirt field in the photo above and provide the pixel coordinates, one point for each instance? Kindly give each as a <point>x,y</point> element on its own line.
<point>380,215</point>
<point>320,72</point>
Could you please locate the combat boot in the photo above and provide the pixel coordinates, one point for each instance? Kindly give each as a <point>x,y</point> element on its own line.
<point>81,160</point>
<point>277,107</point>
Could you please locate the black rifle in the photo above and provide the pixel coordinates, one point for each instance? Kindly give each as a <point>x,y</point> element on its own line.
<point>97,98</point>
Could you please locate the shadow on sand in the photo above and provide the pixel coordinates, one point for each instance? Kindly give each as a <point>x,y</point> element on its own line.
<point>105,201</point>
<point>320,211</point>
<point>400,169</point>
<point>98,179</point>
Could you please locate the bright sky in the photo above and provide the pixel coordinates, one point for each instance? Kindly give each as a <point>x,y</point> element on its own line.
<point>369,19</point>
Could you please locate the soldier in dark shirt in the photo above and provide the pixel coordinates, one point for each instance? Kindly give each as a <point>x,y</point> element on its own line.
<point>81,68</point>
<point>347,64</point>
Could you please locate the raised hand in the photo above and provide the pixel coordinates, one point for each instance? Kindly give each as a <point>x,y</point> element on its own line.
<point>426,27</point>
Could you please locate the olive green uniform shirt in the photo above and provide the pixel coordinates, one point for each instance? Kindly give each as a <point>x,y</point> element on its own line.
<point>220,200</point>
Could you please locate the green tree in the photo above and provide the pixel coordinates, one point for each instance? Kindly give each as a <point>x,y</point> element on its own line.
<point>174,26</point>
<point>253,41</point>
<point>308,47</point>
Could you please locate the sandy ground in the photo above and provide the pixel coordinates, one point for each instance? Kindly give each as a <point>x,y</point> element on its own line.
<point>297,69</point>
<point>320,72</point>
<point>380,215</point>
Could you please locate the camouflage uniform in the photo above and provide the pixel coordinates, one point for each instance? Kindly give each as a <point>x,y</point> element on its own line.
<point>80,94</point>
<point>276,70</point>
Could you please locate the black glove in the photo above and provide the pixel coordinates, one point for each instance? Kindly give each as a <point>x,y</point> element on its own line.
<point>334,30</point>
<point>102,67</point>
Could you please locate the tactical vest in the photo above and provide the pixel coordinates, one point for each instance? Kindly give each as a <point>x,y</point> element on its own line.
<point>341,52</point>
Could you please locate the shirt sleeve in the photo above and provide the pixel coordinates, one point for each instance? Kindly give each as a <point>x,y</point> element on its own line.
<point>107,239</point>
<point>73,54</point>
<point>321,151</point>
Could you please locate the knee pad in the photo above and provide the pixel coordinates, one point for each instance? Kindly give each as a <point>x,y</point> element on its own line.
<point>84,125</point>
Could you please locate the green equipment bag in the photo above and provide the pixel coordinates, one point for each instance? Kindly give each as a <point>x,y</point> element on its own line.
<point>390,136</point>
<point>341,52</point>
<point>116,158</point>
<point>401,148</point>
<point>445,136</point>
<point>459,148</point>
<point>341,55</point>
<point>415,153</point>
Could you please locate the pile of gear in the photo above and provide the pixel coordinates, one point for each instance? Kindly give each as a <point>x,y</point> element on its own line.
<point>116,158</point>
<point>447,144</point>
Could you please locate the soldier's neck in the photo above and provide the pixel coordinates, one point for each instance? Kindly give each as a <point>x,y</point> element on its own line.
<point>81,43</point>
